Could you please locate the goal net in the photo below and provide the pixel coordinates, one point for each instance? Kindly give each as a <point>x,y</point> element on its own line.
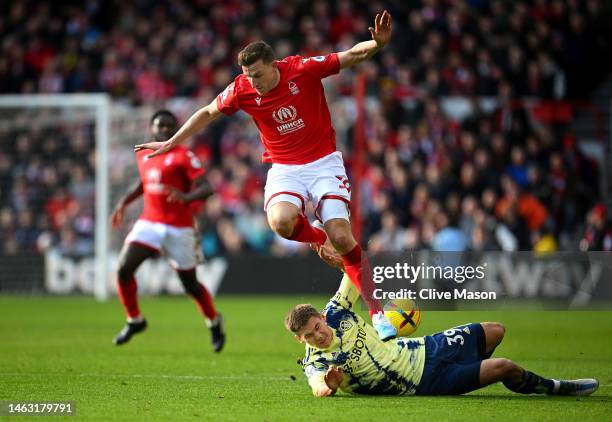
<point>55,154</point>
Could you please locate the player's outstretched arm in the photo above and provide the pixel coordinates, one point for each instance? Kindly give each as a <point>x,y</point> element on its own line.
<point>117,215</point>
<point>198,121</point>
<point>381,34</point>
<point>347,294</point>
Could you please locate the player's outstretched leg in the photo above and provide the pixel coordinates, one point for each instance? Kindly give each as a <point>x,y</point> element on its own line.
<point>131,257</point>
<point>203,299</point>
<point>357,267</point>
<point>287,221</point>
<point>523,381</point>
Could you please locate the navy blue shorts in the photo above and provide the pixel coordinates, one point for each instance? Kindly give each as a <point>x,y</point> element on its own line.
<point>452,361</point>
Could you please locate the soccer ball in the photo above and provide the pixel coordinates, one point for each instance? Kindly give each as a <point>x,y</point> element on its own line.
<point>404,315</point>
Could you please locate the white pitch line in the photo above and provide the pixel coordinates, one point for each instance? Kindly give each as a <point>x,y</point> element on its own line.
<point>163,376</point>
<point>166,376</point>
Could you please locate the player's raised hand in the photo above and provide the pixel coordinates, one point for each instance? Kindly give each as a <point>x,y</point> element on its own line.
<point>381,33</point>
<point>157,148</point>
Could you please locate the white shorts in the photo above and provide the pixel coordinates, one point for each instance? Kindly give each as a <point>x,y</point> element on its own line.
<point>322,179</point>
<point>179,244</point>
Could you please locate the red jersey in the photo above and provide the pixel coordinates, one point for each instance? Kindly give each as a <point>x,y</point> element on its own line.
<point>175,169</point>
<point>293,118</point>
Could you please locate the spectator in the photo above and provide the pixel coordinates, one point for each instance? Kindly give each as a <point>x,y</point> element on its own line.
<point>420,158</point>
<point>597,235</point>
<point>449,238</point>
<point>390,238</point>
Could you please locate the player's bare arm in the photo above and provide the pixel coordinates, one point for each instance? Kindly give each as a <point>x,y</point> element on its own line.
<point>117,216</point>
<point>201,191</point>
<point>197,122</point>
<point>381,34</point>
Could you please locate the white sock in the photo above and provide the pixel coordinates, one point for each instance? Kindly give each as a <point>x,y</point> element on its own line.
<point>556,386</point>
<point>137,319</point>
<point>211,322</point>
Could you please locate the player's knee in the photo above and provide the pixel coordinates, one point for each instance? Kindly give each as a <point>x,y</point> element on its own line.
<point>189,280</point>
<point>500,331</point>
<point>282,224</point>
<point>283,227</point>
<point>341,239</point>
<point>494,332</point>
<point>124,272</point>
<point>191,287</point>
<point>505,368</point>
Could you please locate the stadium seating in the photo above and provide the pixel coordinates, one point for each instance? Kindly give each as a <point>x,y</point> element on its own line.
<point>454,139</point>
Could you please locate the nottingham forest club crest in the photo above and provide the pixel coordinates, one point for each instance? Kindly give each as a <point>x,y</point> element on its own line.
<point>293,88</point>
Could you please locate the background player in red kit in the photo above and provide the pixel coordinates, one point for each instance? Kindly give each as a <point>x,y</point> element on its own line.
<point>169,183</point>
<point>286,100</point>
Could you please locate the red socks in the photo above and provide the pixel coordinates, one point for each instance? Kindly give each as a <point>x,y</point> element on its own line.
<point>127,294</point>
<point>304,232</point>
<point>358,269</point>
<point>205,303</point>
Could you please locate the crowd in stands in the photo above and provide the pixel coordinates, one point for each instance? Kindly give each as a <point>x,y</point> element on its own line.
<point>500,177</point>
<point>47,190</point>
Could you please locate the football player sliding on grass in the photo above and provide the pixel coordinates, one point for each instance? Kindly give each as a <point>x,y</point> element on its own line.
<point>343,352</point>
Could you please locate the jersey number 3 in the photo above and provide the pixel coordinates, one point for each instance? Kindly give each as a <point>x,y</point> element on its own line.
<point>452,338</point>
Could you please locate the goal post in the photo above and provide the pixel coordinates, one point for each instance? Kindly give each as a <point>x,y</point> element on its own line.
<point>99,104</point>
<point>93,162</point>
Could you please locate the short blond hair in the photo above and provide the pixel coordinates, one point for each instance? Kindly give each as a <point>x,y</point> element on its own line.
<point>298,316</point>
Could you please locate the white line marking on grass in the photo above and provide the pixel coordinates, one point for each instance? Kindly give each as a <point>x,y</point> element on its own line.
<point>163,376</point>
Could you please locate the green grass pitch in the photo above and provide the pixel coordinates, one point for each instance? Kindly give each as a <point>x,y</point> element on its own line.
<point>59,349</point>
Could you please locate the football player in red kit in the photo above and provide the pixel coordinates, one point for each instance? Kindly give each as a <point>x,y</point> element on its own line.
<point>168,183</point>
<point>286,100</point>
